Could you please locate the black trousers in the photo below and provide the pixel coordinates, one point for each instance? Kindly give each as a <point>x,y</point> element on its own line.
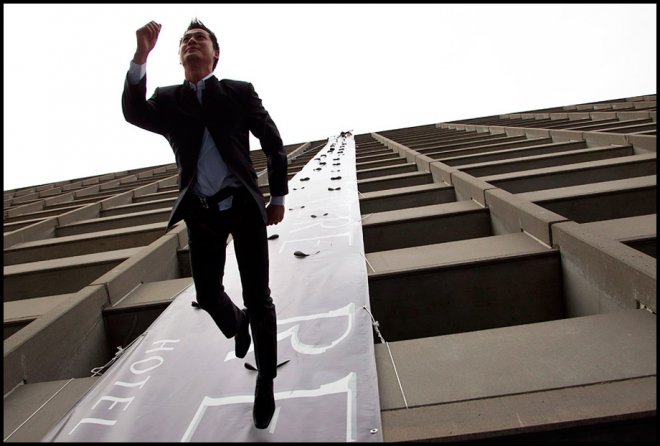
<point>208,231</point>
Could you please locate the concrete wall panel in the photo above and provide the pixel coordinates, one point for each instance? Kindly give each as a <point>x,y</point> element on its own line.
<point>602,275</point>
<point>468,187</point>
<point>510,214</point>
<point>74,331</point>
<point>157,261</point>
<point>493,294</point>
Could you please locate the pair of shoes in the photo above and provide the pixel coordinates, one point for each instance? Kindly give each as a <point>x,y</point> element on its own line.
<point>242,337</point>
<point>264,403</point>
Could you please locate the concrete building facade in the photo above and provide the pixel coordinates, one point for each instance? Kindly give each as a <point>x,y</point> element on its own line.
<point>511,268</point>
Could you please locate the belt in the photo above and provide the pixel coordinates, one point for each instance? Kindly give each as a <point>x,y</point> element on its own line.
<point>208,202</point>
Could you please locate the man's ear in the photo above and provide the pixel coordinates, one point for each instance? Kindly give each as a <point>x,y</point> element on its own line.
<point>217,54</point>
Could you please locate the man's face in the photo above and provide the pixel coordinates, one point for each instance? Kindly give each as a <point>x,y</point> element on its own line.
<point>196,47</point>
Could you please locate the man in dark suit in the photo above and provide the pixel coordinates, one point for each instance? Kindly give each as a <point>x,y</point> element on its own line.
<point>207,121</point>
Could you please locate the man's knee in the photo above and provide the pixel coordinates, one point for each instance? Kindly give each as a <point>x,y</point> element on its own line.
<point>260,307</point>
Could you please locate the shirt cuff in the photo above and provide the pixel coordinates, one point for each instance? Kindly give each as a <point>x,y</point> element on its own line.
<point>277,200</point>
<point>136,72</point>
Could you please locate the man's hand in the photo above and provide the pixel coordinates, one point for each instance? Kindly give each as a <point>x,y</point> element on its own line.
<point>147,36</point>
<point>275,214</point>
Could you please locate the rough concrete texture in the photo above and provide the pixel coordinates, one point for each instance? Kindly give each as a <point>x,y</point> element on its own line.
<point>535,317</point>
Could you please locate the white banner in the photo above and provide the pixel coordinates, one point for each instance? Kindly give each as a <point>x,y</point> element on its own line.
<point>181,380</point>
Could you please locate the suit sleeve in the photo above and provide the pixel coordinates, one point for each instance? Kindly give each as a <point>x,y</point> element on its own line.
<point>262,126</point>
<point>139,111</point>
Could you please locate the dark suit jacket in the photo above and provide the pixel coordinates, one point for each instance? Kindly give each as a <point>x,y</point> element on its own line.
<point>230,110</point>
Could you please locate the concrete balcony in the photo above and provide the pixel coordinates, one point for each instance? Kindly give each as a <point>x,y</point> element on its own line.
<point>59,276</point>
<point>592,376</point>
<point>575,174</point>
<point>115,222</point>
<point>599,201</point>
<point>414,178</point>
<point>406,197</point>
<point>464,285</point>
<point>425,225</point>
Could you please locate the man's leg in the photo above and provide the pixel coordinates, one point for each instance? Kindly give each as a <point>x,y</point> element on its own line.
<point>207,239</point>
<point>251,247</point>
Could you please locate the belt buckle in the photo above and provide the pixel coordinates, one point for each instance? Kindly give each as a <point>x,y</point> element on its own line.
<point>205,204</point>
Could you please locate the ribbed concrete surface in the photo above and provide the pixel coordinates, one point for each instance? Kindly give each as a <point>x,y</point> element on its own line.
<point>32,409</point>
<point>535,366</point>
<point>544,218</point>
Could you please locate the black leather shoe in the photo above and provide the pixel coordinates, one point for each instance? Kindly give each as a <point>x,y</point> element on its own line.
<point>242,337</point>
<point>264,403</point>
